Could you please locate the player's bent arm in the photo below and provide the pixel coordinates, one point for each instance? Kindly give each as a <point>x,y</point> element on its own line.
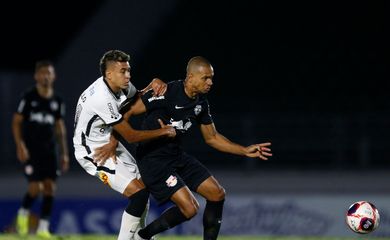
<point>137,108</point>
<point>21,149</point>
<point>219,142</point>
<point>132,135</point>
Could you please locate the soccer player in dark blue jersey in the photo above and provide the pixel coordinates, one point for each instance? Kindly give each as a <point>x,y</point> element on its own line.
<point>167,170</point>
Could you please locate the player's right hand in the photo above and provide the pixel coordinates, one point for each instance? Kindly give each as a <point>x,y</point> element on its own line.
<point>168,130</point>
<point>22,153</point>
<point>105,152</point>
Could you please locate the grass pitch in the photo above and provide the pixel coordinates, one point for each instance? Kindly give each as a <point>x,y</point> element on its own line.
<point>112,237</point>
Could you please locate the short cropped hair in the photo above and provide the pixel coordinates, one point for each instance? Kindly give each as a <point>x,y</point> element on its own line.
<point>196,62</point>
<point>43,63</point>
<point>112,56</point>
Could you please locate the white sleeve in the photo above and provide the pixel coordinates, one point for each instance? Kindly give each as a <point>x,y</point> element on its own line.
<point>107,110</point>
<point>131,91</point>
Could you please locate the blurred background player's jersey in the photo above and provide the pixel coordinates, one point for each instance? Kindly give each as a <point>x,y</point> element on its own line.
<point>40,115</point>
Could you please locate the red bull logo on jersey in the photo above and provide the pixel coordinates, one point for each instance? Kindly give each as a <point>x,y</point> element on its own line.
<point>171,181</point>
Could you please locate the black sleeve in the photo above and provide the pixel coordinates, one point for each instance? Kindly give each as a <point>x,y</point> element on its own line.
<point>204,116</point>
<point>24,105</point>
<point>153,102</point>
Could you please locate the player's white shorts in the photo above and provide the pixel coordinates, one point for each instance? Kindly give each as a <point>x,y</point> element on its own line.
<point>117,176</point>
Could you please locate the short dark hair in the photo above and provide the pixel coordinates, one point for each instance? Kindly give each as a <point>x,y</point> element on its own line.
<point>43,63</point>
<point>112,56</point>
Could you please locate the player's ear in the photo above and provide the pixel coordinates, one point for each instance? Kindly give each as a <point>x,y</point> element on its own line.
<point>108,74</point>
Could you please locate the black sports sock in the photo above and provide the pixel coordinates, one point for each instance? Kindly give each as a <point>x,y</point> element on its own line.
<point>137,203</point>
<point>47,206</point>
<point>28,201</point>
<point>212,218</point>
<point>168,219</point>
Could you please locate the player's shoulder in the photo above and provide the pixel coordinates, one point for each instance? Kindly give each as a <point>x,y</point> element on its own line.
<point>97,90</point>
<point>29,93</point>
<point>58,97</point>
<point>97,93</point>
<point>175,83</point>
<point>174,86</point>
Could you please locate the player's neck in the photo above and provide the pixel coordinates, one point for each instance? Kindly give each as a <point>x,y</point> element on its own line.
<point>112,86</point>
<point>45,92</point>
<point>190,91</point>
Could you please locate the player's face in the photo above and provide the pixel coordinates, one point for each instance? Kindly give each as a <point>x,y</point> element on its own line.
<point>45,76</point>
<point>203,79</point>
<point>118,75</point>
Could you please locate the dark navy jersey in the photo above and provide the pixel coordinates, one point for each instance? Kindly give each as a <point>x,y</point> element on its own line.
<point>40,115</point>
<point>175,108</point>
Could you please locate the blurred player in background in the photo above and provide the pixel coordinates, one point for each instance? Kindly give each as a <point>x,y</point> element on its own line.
<point>38,129</point>
<point>98,113</point>
<point>168,172</point>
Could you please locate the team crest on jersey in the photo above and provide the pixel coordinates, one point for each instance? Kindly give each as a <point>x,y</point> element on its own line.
<point>104,178</point>
<point>171,181</point>
<point>54,105</point>
<point>197,109</point>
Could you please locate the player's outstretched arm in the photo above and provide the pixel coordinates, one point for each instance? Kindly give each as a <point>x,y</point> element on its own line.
<point>221,143</point>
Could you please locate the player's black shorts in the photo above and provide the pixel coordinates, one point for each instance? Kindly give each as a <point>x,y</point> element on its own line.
<point>163,176</point>
<point>41,166</point>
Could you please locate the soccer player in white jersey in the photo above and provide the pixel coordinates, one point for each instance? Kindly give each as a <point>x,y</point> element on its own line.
<point>98,113</point>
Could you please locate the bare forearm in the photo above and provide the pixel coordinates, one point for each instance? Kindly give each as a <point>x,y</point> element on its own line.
<point>223,144</point>
<point>61,138</point>
<point>17,131</point>
<point>140,136</point>
<point>63,144</point>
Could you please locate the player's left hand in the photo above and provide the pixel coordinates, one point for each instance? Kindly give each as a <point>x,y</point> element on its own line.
<point>159,87</point>
<point>260,150</point>
<point>64,163</point>
<point>105,152</point>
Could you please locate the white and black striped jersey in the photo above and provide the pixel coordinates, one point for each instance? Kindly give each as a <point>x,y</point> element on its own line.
<point>98,109</point>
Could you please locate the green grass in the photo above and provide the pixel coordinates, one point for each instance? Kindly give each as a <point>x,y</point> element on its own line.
<point>112,237</point>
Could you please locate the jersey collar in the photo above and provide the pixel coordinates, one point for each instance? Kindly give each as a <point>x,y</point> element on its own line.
<point>116,95</point>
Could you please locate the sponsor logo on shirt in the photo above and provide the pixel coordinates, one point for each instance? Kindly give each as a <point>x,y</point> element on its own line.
<point>114,114</point>
<point>156,98</point>
<point>42,118</point>
<point>180,125</point>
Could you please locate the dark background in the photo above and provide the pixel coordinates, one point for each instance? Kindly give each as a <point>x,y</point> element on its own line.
<point>311,77</point>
